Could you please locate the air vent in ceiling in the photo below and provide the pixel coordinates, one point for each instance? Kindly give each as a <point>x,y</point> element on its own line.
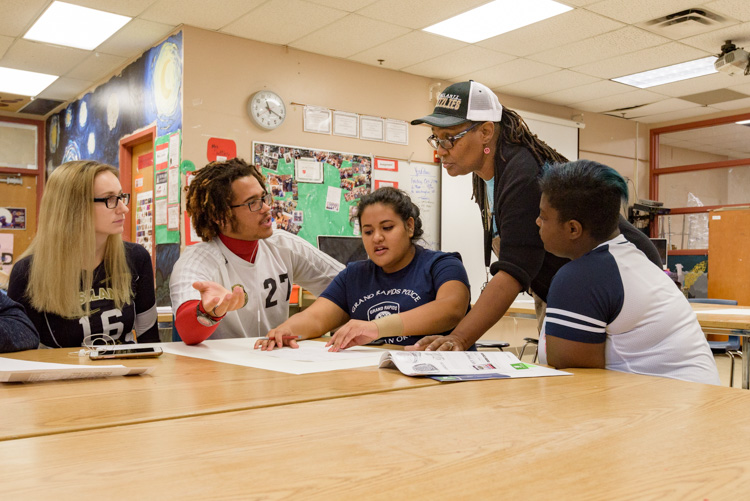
<point>686,23</point>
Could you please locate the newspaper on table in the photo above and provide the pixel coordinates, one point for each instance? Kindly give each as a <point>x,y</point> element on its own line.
<point>464,365</point>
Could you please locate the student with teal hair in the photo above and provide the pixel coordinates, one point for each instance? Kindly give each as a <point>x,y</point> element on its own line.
<point>610,307</point>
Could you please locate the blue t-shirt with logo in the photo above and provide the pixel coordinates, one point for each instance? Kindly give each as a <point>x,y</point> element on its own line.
<point>366,292</point>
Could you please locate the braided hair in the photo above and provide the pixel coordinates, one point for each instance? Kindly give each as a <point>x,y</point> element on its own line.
<point>397,200</point>
<point>513,130</point>
<point>210,194</point>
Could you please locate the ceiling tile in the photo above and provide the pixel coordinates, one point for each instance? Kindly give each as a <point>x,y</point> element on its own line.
<point>642,60</point>
<point>713,41</point>
<point>635,11</point>
<point>282,21</point>
<point>677,115</point>
<point>616,102</point>
<point>42,58</point>
<point>134,36</point>
<point>742,87</point>
<point>737,104</point>
<point>462,61</point>
<point>544,84</point>
<point>360,33</point>
<point>208,14</point>
<point>130,8</point>
<point>417,14</point>
<point>508,73</point>
<point>408,50</point>
<point>699,84</point>
<point>18,16</point>
<point>96,66</point>
<point>5,43</point>
<point>552,32</point>
<point>347,5</point>
<point>738,9</point>
<point>66,89</point>
<point>602,88</point>
<point>614,43</point>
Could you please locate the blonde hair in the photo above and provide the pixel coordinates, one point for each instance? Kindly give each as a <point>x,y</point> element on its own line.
<point>64,247</point>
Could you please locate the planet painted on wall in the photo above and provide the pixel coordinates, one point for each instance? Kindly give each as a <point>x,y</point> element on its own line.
<point>54,133</point>
<point>91,143</point>
<point>83,114</point>
<point>113,111</point>
<point>68,117</point>
<point>71,152</point>
<point>166,80</point>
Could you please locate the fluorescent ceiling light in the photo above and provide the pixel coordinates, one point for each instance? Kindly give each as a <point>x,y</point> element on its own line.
<point>494,18</point>
<point>24,83</point>
<point>669,74</point>
<point>75,26</point>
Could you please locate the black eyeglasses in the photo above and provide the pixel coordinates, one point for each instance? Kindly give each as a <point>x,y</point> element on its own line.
<point>111,201</point>
<point>256,204</point>
<point>450,141</point>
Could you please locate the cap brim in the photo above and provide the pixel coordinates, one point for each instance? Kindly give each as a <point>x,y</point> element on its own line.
<point>438,120</point>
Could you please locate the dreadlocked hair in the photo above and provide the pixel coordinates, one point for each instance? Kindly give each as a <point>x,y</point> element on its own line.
<point>210,194</point>
<point>513,130</point>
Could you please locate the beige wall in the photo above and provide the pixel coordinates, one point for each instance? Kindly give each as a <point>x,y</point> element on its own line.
<point>221,72</point>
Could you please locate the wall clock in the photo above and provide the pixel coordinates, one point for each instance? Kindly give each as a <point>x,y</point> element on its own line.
<point>266,109</point>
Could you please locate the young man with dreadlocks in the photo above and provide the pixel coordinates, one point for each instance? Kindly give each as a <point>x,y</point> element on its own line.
<point>237,282</point>
<point>473,134</point>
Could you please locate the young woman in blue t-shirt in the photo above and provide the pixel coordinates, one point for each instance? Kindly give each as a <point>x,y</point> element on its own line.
<point>401,293</point>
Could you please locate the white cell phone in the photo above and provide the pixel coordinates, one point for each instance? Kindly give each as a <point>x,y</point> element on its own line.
<point>124,352</point>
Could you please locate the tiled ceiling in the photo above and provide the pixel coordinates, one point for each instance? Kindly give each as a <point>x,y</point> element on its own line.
<point>566,60</point>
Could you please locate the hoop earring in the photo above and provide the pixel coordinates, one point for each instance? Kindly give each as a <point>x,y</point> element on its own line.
<point>486,150</point>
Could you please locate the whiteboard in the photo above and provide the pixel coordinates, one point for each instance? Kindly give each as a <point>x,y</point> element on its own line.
<point>460,222</point>
<point>422,182</point>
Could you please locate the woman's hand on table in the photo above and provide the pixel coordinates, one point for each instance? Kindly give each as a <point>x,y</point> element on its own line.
<point>437,343</point>
<point>353,333</point>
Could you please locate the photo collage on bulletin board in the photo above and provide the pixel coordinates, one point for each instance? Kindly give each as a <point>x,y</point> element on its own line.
<point>315,192</point>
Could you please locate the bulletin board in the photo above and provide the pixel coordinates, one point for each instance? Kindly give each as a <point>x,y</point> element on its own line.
<point>422,182</point>
<point>315,192</point>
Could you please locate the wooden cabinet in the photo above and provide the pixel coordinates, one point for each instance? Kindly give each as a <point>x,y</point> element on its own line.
<point>729,254</point>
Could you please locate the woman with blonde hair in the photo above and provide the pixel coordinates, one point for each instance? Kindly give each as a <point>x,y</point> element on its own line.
<point>78,281</point>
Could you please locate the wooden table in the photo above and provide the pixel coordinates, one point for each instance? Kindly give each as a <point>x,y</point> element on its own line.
<point>179,387</point>
<point>595,435</point>
<point>725,324</point>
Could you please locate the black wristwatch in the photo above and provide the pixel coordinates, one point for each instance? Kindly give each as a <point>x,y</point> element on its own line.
<point>205,319</point>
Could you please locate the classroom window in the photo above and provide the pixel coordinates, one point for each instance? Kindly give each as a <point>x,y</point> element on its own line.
<point>697,167</point>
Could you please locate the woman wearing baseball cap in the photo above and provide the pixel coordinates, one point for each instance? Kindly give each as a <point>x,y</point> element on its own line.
<point>474,134</point>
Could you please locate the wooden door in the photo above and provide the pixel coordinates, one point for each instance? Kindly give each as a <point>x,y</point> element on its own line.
<point>18,203</point>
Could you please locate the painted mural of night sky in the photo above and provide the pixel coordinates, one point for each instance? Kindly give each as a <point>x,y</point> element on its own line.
<point>149,91</point>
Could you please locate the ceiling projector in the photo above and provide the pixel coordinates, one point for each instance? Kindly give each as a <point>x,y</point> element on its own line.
<point>732,60</point>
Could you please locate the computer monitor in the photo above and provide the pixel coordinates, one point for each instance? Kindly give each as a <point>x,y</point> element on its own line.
<point>661,246</point>
<point>343,249</point>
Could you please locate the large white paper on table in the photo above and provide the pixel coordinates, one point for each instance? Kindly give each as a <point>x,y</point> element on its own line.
<point>479,364</point>
<point>14,371</point>
<point>310,357</point>
<point>738,311</point>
